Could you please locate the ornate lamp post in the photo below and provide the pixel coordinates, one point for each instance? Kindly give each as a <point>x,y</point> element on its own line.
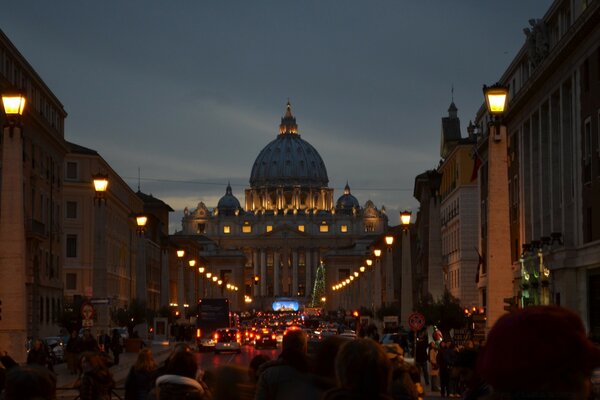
<point>377,280</point>
<point>498,248</point>
<point>180,284</point>
<point>13,266</point>
<point>389,270</point>
<point>141,276</point>
<point>100,268</point>
<point>406,296</point>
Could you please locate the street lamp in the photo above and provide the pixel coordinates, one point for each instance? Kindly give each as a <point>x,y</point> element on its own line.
<point>406,294</point>
<point>141,275</point>
<point>192,263</point>
<point>496,98</point>
<point>100,186</point>
<point>498,256</point>
<point>201,270</point>
<point>12,230</point>
<point>180,278</point>
<point>389,240</point>
<point>100,268</point>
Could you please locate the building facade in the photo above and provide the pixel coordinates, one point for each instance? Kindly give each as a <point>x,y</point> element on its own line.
<point>31,207</point>
<point>552,164</point>
<point>289,224</point>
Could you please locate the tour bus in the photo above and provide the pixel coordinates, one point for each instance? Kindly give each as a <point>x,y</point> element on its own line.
<point>213,314</point>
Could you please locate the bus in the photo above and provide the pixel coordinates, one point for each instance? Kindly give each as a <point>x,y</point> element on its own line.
<point>212,314</point>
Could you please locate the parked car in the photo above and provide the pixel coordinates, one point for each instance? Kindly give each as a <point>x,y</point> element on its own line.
<point>56,348</point>
<point>265,338</point>
<point>228,339</point>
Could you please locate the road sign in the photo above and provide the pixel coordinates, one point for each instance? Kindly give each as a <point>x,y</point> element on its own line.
<point>416,321</point>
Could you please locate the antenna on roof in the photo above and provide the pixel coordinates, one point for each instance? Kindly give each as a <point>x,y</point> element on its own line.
<point>139,179</point>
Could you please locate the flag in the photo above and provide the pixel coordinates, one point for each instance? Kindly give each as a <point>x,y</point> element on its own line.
<point>479,265</point>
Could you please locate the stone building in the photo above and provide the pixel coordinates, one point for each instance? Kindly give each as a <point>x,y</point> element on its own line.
<point>290,222</point>
<point>32,155</point>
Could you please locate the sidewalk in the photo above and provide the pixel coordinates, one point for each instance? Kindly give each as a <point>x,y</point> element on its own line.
<point>65,381</point>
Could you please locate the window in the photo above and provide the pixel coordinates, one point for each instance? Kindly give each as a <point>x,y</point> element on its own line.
<point>71,283</point>
<point>71,246</point>
<point>201,228</point>
<point>71,209</point>
<point>323,227</point>
<point>247,228</point>
<point>301,228</point>
<point>269,228</point>
<point>226,229</point>
<point>344,228</point>
<point>72,173</point>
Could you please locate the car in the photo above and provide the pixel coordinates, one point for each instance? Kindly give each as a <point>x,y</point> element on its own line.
<point>56,348</point>
<point>265,338</point>
<point>227,339</point>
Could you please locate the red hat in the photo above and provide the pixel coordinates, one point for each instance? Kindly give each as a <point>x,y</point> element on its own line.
<point>537,348</point>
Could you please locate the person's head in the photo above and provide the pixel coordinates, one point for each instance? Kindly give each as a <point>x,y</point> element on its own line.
<point>294,341</point>
<point>255,364</point>
<point>394,352</point>
<point>74,334</point>
<point>324,360</point>
<point>91,361</point>
<point>30,382</point>
<point>183,363</point>
<point>87,334</point>
<point>145,360</point>
<point>362,366</point>
<point>541,349</point>
<point>37,344</point>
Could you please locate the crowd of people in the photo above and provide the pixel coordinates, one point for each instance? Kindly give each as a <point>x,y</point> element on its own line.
<point>516,362</point>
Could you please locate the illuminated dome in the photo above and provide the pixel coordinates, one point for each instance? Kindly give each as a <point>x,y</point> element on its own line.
<point>347,201</point>
<point>289,160</point>
<point>228,202</point>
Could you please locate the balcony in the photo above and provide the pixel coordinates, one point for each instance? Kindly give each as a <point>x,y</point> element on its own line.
<point>35,230</point>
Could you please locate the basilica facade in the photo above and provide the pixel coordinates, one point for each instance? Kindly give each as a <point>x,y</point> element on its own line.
<point>271,246</point>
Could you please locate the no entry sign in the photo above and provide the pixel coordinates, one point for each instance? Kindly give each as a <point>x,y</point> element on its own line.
<point>416,321</point>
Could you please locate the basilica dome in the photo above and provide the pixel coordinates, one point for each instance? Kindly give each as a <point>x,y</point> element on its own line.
<point>347,201</point>
<point>289,160</point>
<point>228,202</point>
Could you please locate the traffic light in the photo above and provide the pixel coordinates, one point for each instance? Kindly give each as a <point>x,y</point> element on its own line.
<point>510,304</point>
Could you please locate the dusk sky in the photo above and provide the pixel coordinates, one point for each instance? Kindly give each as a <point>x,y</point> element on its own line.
<point>189,92</point>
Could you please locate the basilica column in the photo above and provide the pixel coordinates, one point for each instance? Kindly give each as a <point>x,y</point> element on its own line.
<point>285,272</point>
<point>276,275</point>
<point>255,288</point>
<point>263,272</point>
<point>307,268</point>
<point>295,272</point>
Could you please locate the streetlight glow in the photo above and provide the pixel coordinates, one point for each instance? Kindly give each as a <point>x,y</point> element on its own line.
<point>14,104</point>
<point>377,252</point>
<point>141,221</point>
<point>389,240</point>
<point>201,270</point>
<point>405,217</point>
<point>496,97</point>
<point>192,263</point>
<point>180,253</point>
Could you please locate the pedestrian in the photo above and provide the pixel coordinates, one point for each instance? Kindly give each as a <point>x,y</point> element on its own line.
<point>363,372</point>
<point>255,365</point>
<point>444,368</point>
<point>322,375</point>
<point>88,342</point>
<point>434,370</point>
<point>421,356</point>
<point>29,382</point>
<point>402,385</point>
<point>116,346</point>
<point>96,381</point>
<point>141,377</point>
<point>180,381</point>
<point>72,350</point>
<point>39,355</point>
<point>539,352</point>
<point>232,383</point>
<point>285,377</point>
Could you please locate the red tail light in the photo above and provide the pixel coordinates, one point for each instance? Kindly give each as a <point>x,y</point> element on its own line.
<point>198,333</point>
<point>216,336</point>
<point>273,337</point>
<point>257,337</point>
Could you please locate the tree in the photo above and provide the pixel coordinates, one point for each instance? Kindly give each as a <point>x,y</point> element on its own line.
<point>134,314</point>
<point>446,313</point>
<point>318,292</point>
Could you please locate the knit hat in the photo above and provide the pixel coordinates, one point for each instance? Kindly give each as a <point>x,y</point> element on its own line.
<point>535,348</point>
